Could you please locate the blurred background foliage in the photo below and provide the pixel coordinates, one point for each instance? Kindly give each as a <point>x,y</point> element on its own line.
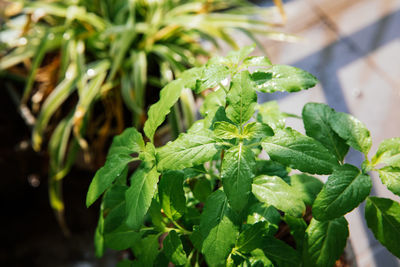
<point>80,71</point>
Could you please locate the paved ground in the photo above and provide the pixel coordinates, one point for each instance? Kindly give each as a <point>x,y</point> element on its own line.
<point>353,48</point>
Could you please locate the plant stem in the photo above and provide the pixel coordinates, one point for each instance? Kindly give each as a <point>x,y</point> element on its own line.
<point>189,258</point>
<point>183,230</point>
<point>254,144</point>
<point>220,166</point>
<point>223,87</point>
<point>147,229</point>
<point>135,159</point>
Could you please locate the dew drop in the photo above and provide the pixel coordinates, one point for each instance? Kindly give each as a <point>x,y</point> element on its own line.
<point>22,41</point>
<point>90,72</point>
<point>69,74</point>
<point>66,36</point>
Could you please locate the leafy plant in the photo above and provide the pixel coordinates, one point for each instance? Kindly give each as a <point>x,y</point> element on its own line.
<point>210,196</point>
<point>93,67</point>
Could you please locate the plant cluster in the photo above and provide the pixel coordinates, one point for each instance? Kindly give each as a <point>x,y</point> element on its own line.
<point>221,193</point>
<point>92,67</point>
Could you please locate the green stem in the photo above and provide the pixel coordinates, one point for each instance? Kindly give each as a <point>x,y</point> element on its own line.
<point>189,258</point>
<point>183,230</point>
<point>291,115</point>
<point>220,165</point>
<point>197,259</point>
<point>135,159</point>
<point>225,144</point>
<point>147,229</point>
<point>223,87</point>
<point>254,144</point>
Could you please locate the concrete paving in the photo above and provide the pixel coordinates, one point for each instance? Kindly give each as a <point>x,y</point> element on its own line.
<point>353,48</point>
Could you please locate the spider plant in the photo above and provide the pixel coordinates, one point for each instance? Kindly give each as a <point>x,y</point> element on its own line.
<point>92,67</point>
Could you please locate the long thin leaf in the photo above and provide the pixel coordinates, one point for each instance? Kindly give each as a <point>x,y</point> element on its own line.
<point>52,103</point>
<point>39,55</point>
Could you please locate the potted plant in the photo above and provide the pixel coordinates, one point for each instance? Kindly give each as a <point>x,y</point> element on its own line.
<point>220,193</point>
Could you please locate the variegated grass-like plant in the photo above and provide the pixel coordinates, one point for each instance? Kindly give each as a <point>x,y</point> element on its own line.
<point>91,67</point>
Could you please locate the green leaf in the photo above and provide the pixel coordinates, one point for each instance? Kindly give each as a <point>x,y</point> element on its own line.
<point>114,196</point>
<point>225,130</point>
<point>212,102</point>
<point>324,242</point>
<point>196,238</point>
<point>251,238</point>
<point>106,175</point>
<point>235,57</point>
<point>129,142</point>
<point>271,168</point>
<point>190,77</point>
<point>256,130</point>
<point>388,152</point>
<point>56,98</point>
<point>123,145</point>
<point>211,76</point>
<point>283,78</point>
<point>270,114</point>
<point>260,212</point>
<point>161,260</point>
<point>202,189</point>
<point>218,229</point>
<point>173,249</point>
<point>352,130</point>
<point>300,152</point>
<point>138,196</point>
<point>256,61</point>
<point>146,250</point>
<point>241,99</point>
<point>258,259</point>
<point>297,228</point>
<point>272,190</point>
<point>186,151</point>
<point>172,197</point>
<point>383,218</point>
<point>114,207</point>
<point>121,238</point>
<point>306,186</point>
<point>36,62</point>
<point>316,118</point>
<point>89,91</point>
<point>125,263</point>
<point>219,116</point>
<point>148,155</point>
<point>237,174</point>
<point>169,95</point>
<point>194,171</point>
<point>390,177</point>
<point>155,214</point>
<point>280,253</point>
<point>345,189</point>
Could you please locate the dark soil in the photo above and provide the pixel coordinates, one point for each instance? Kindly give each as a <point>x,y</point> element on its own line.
<point>30,234</point>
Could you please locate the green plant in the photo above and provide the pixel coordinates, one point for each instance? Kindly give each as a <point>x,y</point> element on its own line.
<point>84,59</point>
<point>211,197</point>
